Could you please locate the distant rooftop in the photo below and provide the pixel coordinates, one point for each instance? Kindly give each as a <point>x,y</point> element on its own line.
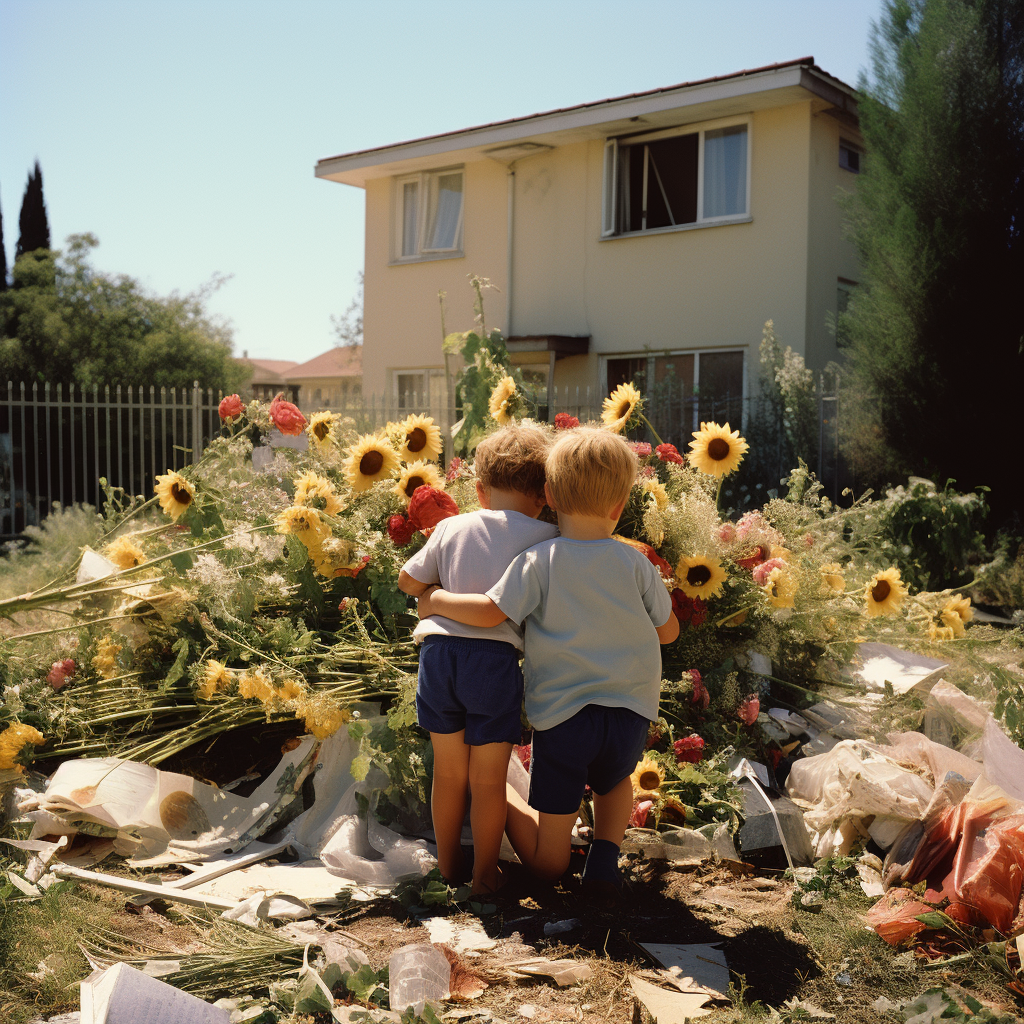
<point>341,361</point>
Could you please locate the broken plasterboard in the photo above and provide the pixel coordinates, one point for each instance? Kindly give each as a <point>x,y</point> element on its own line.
<point>666,1006</point>
<point>123,995</point>
<point>696,967</point>
<point>881,663</point>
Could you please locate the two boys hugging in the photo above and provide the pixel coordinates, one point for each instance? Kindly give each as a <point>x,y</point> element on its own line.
<point>588,613</point>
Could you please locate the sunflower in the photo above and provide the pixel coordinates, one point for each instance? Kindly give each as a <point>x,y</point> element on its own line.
<point>417,474</point>
<point>215,678</point>
<point>315,491</point>
<point>716,450</point>
<point>939,633</point>
<point>334,554</point>
<point>959,606</point>
<point>319,429</point>
<point>13,740</point>
<point>832,579</point>
<point>105,660</point>
<point>700,576</point>
<point>952,621</point>
<point>655,490</point>
<point>780,588</point>
<point>304,523</point>
<point>370,459</point>
<point>498,404</point>
<point>124,553</point>
<point>175,493</point>
<point>647,778</point>
<point>420,438</point>
<point>884,593</point>
<point>620,406</point>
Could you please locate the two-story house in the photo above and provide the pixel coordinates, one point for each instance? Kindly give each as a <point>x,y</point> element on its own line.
<point>648,234</point>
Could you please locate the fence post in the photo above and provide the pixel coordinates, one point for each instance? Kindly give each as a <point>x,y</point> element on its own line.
<point>196,423</point>
<point>821,424</point>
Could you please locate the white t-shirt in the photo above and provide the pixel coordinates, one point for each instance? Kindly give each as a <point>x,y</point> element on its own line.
<point>591,609</point>
<point>468,554</point>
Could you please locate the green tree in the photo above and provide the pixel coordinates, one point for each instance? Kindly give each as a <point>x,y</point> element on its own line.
<point>34,228</point>
<point>65,322</point>
<point>348,327</point>
<point>936,329</point>
<point>3,256</point>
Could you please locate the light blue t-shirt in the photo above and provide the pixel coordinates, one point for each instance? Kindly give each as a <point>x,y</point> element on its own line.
<point>591,608</point>
<point>467,554</point>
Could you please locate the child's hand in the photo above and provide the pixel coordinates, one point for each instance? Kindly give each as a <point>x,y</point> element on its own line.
<point>423,604</point>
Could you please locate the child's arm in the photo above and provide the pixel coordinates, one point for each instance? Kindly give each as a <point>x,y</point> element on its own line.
<point>470,609</point>
<point>410,585</point>
<point>668,632</point>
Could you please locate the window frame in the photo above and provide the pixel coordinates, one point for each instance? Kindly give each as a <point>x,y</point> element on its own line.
<point>613,154</point>
<point>850,147</point>
<point>430,396</point>
<point>427,184</point>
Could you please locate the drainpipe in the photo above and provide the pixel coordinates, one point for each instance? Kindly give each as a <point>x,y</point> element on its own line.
<point>510,179</point>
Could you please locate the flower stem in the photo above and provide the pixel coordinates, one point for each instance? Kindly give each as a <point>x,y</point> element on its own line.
<point>657,436</point>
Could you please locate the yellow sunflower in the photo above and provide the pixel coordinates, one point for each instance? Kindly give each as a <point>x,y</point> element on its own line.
<point>175,493</point>
<point>332,555</point>
<point>647,778</point>
<point>304,523</point>
<point>417,474</point>
<point>315,491</point>
<point>370,459</point>
<point>884,593</point>
<point>13,740</point>
<point>780,588</point>
<point>420,439</point>
<point>124,553</point>
<point>952,621</point>
<point>654,489</point>
<point>105,659</point>
<point>319,429</point>
<point>619,407</point>
<point>700,576</point>
<point>503,393</point>
<point>215,678</point>
<point>832,579</point>
<point>716,450</point>
<point>960,606</point>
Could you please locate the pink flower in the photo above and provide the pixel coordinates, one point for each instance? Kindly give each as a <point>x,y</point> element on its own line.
<point>563,421</point>
<point>400,530</point>
<point>641,449</point>
<point>669,453</point>
<point>727,533</point>
<point>60,672</point>
<point>428,506</point>
<point>748,710</point>
<point>764,570</point>
<point>346,604</point>
<point>700,697</point>
<point>286,416</point>
<point>230,407</point>
<point>455,469</point>
<point>689,749</point>
<point>523,752</point>
<point>808,540</point>
<point>641,810</point>
<point>751,522</point>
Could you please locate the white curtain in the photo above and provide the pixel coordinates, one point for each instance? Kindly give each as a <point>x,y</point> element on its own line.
<point>446,213</point>
<point>725,172</point>
<point>410,217</point>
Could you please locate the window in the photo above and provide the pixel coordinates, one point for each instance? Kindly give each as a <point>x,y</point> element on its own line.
<point>675,178</point>
<point>849,156</point>
<point>428,215</point>
<point>412,390</point>
<point>416,390</point>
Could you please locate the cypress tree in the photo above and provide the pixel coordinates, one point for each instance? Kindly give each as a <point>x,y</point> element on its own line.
<point>3,256</point>
<point>33,225</point>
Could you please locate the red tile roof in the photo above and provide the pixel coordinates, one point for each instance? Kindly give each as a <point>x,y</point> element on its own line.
<point>340,361</point>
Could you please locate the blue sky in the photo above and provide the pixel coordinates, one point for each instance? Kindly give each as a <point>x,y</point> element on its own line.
<point>184,135</point>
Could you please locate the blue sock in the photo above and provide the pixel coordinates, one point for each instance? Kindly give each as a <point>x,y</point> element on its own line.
<point>602,862</point>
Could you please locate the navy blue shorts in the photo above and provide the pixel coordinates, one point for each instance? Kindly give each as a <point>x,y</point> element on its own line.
<point>598,747</point>
<point>472,684</point>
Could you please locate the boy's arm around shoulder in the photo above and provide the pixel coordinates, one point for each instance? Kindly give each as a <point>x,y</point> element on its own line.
<point>410,585</point>
<point>470,609</point>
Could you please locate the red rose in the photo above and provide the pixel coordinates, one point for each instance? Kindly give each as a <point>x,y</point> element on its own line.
<point>700,613</point>
<point>563,421</point>
<point>428,506</point>
<point>522,751</point>
<point>400,530</point>
<point>701,697</point>
<point>689,749</point>
<point>668,453</point>
<point>641,810</point>
<point>748,710</point>
<point>654,731</point>
<point>60,672</point>
<point>755,558</point>
<point>230,407</point>
<point>286,416</point>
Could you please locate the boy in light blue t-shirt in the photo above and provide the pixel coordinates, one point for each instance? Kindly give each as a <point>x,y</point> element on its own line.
<point>595,612</point>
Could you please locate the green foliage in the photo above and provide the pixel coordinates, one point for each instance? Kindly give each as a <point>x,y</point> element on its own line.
<point>34,228</point>
<point>63,321</point>
<point>934,328</point>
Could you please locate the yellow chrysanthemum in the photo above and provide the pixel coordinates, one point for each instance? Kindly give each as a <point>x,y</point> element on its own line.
<point>655,490</point>
<point>291,689</point>
<point>780,588</point>
<point>370,459</point>
<point>319,429</point>
<point>304,523</point>
<point>124,553</point>
<point>700,576</point>
<point>216,678</point>
<point>960,606</point>
<point>105,660</point>
<point>619,407</point>
<point>939,633</point>
<point>716,450</point>
<point>175,493</point>
<point>884,593</point>
<point>952,621</point>
<point>333,554</point>
<point>832,579</point>
<point>322,715</point>
<point>647,778</point>
<point>13,740</point>
<point>417,474</point>
<point>420,439</point>
<point>501,396</point>
<point>315,491</point>
<point>255,684</point>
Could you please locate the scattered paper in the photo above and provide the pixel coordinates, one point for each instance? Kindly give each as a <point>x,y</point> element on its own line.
<point>309,881</point>
<point>562,972</point>
<point>123,995</point>
<point>268,908</point>
<point>668,1007</point>
<point>696,967</point>
<point>905,670</point>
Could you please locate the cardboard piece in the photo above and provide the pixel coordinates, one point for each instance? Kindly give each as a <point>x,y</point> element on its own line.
<point>462,938</point>
<point>668,1007</point>
<point>696,967</point>
<point>562,972</point>
<point>123,995</point>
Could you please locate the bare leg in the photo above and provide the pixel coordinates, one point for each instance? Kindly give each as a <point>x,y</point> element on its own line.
<point>448,800</point>
<point>488,766</point>
<point>541,841</point>
<point>612,811</point>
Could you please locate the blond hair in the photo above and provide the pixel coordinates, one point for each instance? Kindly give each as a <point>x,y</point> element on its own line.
<point>513,458</point>
<point>590,471</point>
